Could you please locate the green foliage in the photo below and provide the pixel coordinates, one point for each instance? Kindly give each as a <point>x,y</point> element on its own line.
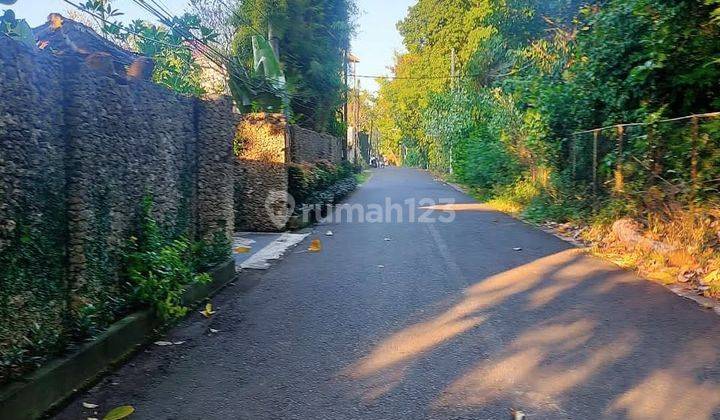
<point>161,269</point>
<point>170,45</point>
<point>321,183</point>
<point>543,71</point>
<point>17,29</point>
<point>34,322</point>
<point>264,88</point>
<point>104,15</point>
<point>172,50</point>
<point>213,252</point>
<point>313,37</point>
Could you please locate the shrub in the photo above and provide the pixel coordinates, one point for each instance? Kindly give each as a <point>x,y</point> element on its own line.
<point>322,182</point>
<point>161,269</point>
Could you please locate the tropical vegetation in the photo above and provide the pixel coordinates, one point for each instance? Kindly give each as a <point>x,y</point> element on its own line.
<point>533,77</point>
<point>530,76</point>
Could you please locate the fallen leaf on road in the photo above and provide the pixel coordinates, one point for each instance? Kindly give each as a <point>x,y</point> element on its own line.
<point>163,343</point>
<point>90,406</point>
<point>518,415</point>
<point>214,331</point>
<point>119,413</point>
<point>517,249</point>
<point>242,249</point>
<point>315,246</point>
<point>208,311</point>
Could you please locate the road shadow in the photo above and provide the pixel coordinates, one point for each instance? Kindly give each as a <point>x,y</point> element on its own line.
<point>563,336</point>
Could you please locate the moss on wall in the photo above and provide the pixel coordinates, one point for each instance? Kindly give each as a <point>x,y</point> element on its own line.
<point>80,150</point>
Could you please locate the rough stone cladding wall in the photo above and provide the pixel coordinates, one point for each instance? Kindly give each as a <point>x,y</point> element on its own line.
<point>309,146</point>
<point>261,173</point>
<point>216,175</point>
<point>32,205</point>
<point>126,141</point>
<point>79,151</point>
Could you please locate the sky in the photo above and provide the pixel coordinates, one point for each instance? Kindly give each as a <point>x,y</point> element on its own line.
<point>375,43</point>
<point>377,37</point>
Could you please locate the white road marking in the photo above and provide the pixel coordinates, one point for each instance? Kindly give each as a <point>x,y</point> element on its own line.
<point>274,251</point>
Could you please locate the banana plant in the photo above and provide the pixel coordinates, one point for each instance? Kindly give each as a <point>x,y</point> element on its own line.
<point>264,88</point>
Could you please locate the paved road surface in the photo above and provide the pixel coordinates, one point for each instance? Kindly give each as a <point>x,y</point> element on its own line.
<point>444,320</point>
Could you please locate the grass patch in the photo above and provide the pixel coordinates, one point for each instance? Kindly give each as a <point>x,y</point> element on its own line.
<point>363,176</point>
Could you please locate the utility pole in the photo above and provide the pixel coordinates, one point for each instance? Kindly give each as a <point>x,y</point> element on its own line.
<point>452,89</point>
<point>345,105</point>
<point>351,137</point>
<point>357,112</point>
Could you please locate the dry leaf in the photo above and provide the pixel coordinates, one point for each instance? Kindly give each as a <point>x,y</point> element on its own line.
<point>242,249</point>
<point>518,415</point>
<point>119,413</point>
<point>208,311</point>
<point>90,406</point>
<point>315,246</point>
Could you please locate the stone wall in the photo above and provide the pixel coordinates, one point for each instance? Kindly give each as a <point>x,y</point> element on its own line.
<point>124,142</point>
<point>309,146</point>
<point>81,150</point>
<point>216,130</point>
<point>33,210</point>
<point>265,144</point>
<point>261,148</point>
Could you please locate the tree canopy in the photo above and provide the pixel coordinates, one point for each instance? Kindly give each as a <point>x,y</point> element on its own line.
<point>532,74</point>
<point>313,38</point>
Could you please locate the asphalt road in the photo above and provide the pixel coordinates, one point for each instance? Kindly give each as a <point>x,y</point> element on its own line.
<point>441,320</point>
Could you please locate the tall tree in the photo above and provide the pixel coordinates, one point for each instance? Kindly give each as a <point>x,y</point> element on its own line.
<point>313,37</point>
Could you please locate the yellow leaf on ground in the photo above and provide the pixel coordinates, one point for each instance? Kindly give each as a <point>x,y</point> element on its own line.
<point>119,413</point>
<point>315,246</point>
<point>208,311</point>
<point>242,249</point>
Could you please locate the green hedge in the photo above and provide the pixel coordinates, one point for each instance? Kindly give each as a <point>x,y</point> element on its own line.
<point>37,318</point>
<point>321,183</point>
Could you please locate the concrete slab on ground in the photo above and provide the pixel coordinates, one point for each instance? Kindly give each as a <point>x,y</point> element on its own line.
<point>264,247</point>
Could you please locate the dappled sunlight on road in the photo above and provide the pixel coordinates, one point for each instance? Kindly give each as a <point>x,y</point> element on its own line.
<point>411,342</point>
<point>677,390</point>
<point>538,367</point>
<point>459,207</point>
<point>554,334</point>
